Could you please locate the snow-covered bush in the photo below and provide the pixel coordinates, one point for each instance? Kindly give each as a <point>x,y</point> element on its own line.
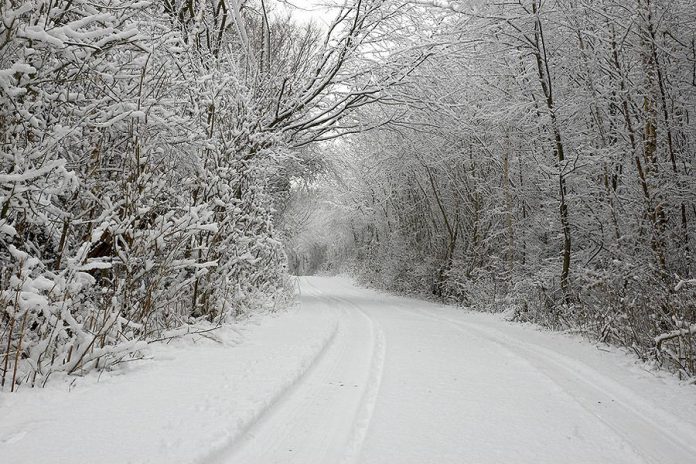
<point>143,148</point>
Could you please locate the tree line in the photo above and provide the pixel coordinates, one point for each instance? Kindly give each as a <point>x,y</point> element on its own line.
<point>146,150</point>
<point>540,159</point>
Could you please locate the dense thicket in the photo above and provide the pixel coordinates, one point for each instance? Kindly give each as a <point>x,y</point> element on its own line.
<point>541,158</point>
<point>144,147</point>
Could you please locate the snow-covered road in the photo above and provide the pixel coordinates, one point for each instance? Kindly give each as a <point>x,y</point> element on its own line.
<point>357,376</point>
<point>408,382</point>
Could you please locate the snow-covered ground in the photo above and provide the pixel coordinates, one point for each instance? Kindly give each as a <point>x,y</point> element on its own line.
<point>357,376</point>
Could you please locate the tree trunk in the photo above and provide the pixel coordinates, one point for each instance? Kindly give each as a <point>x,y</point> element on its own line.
<point>559,152</point>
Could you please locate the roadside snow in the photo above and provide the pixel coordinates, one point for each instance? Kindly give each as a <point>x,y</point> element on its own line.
<point>190,400</point>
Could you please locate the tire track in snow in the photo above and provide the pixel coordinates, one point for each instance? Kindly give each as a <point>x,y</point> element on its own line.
<point>223,452</point>
<point>325,417</point>
<point>535,366</point>
<point>584,385</point>
<point>368,401</point>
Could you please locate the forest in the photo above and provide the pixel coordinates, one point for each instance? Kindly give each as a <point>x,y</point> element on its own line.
<point>167,165</point>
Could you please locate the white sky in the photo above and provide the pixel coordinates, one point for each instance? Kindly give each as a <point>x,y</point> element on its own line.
<point>305,11</point>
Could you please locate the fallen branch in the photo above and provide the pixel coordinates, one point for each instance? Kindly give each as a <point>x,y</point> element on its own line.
<point>183,334</point>
<point>682,283</point>
<point>660,339</point>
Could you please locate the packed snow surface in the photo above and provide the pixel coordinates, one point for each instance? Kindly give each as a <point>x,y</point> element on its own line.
<point>358,376</point>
